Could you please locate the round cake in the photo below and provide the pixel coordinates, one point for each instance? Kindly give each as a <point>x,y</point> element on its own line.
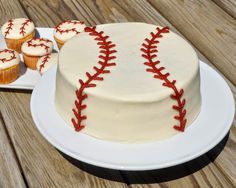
<point>128,82</point>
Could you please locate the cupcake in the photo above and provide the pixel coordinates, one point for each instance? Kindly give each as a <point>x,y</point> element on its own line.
<point>66,30</point>
<point>35,48</point>
<point>17,31</point>
<point>9,66</point>
<point>46,62</point>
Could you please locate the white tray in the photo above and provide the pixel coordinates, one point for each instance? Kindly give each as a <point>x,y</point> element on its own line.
<point>210,127</point>
<point>29,77</point>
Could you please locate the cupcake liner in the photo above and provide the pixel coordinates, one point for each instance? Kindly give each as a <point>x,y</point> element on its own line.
<point>30,61</point>
<point>10,74</point>
<point>59,42</point>
<point>16,44</point>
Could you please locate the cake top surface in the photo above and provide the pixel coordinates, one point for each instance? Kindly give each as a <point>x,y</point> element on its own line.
<point>67,29</point>
<point>37,46</point>
<point>46,61</point>
<point>129,79</point>
<point>17,28</point>
<point>8,58</point>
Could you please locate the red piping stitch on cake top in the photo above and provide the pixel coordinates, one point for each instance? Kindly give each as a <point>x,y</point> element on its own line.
<point>149,53</point>
<point>13,56</point>
<point>58,29</point>
<point>104,60</point>
<point>9,27</point>
<point>25,23</point>
<point>44,61</point>
<point>30,43</point>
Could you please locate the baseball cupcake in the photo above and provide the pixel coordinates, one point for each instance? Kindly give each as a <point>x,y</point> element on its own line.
<point>17,31</point>
<point>66,30</point>
<point>46,62</point>
<point>9,66</point>
<point>35,48</point>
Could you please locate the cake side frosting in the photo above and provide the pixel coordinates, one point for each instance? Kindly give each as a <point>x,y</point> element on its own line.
<point>129,104</point>
<point>17,28</point>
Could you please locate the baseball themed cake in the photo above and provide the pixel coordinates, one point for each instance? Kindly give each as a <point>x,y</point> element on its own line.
<point>46,62</point>
<point>9,66</point>
<point>34,49</point>
<point>128,82</point>
<point>17,31</point>
<point>66,30</point>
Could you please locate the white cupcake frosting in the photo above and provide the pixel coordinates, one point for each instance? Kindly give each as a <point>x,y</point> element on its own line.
<point>46,62</point>
<point>67,29</point>
<point>37,47</point>
<point>8,58</point>
<point>17,28</point>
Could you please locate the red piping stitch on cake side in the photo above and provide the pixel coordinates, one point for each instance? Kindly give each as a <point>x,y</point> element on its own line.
<point>9,27</point>
<point>25,23</point>
<point>44,61</point>
<point>30,43</point>
<point>13,56</point>
<point>149,53</point>
<point>58,29</point>
<point>104,60</point>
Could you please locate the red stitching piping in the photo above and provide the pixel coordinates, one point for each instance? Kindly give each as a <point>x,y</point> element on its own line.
<point>104,60</point>
<point>30,43</point>
<point>58,29</point>
<point>44,61</point>
<point>149,53</point>
<point>22,29</point>
<point>9,27</point>
<point>3,60</point>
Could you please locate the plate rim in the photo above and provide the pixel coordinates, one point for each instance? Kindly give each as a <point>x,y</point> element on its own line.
<point>146,167</point>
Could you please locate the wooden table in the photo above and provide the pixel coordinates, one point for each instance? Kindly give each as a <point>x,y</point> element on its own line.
<point>28,160</point>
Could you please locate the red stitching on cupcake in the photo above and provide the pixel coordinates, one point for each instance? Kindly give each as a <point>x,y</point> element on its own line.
<point>30,43</point>
<point>13,56</point>
<point>44,61</point>
<point>104,60</point>
<point>58,29</point>
<point>149,53</point>
<point>9,27</point>
<point>24,24</point>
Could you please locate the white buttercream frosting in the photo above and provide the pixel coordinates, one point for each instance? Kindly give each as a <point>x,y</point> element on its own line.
<point>17,28</point>
<point>46,62</point>
<point>129,105</point>
<point>8,58</point>
<point>37,47</point>
<point>67,29</point>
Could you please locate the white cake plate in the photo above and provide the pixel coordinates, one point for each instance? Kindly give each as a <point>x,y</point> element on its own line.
<point>210,127</point>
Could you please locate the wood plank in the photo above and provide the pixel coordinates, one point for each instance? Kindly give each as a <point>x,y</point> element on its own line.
<point>10,9</point>
<point>9,168</point>
<point>228,5</point>
<point>210,29</point>
<point>42,164</point>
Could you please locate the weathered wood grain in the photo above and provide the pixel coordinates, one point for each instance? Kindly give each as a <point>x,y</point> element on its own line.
<point>229,6</point>
<point>10,9</point>
<point>210,29</point>
<point>9,168</point>
<point>46,13</point>
<point>42,164</point>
